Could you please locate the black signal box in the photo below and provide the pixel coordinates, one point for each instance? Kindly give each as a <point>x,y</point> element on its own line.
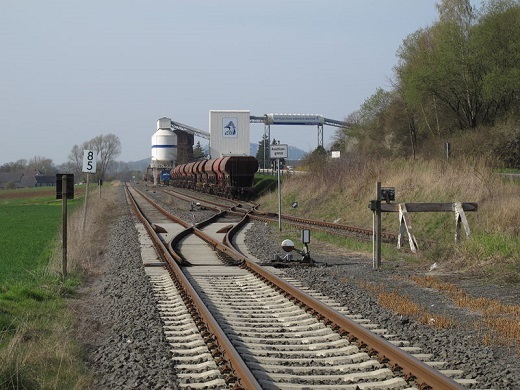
<point>388,194</point>
<point>70,185</point>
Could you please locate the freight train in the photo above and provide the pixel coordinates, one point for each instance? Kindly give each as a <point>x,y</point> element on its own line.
<point>229,176</point>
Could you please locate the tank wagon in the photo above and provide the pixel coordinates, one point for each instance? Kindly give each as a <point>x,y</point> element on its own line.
<point>229,176</point>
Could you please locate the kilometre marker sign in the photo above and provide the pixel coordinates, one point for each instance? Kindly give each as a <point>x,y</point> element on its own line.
<point>89,161</point>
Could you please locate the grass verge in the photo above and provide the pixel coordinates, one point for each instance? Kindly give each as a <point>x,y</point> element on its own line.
<point>342,188</point>
<point>37,336</point>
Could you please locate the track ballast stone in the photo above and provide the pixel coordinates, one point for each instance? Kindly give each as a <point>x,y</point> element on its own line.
<point>338,276</point>
<point>127,348</point>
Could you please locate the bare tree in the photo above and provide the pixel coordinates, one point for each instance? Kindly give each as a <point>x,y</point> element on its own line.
<point>108,147</point>
<point>14,166</point>
<point>76,158</point>
<point>42,164</point>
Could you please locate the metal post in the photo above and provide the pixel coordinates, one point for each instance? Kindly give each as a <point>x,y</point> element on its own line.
<point>279,197</point>
<point>267,142</point>
<point>265,147</point>
<point>376,239</point>
<point>265,130</point>
<point>64,218</point>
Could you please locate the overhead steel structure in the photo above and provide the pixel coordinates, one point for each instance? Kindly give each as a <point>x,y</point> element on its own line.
<point>185,133</point>
<point>274,119</point>
<point>295,119</point>
<point>299,120</point>
<point>188,129</point>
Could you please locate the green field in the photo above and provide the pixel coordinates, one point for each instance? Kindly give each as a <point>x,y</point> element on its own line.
<point>32,308</point>
<point>30,220</point>
<point>26,232</point>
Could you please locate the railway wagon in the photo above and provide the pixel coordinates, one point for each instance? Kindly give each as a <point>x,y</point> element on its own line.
<point>165,177</point>
<point>229,176</point>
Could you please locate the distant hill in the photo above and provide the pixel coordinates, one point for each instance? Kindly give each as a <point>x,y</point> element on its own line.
<point>140,165</point>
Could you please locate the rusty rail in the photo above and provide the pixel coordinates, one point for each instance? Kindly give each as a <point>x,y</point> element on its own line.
<point>411,367</point>
<point>294,221</point>
<point>424,375</point>
<point>228,351</point>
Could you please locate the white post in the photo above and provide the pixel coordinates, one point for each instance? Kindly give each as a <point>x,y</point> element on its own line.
<point>89,166</point>
<point>404,223</point>
<point>460,217</point>
<point>85,206</point>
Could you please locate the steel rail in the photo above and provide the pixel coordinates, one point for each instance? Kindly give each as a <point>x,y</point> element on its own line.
<point>363,234</point>
<point>229,353</point>
<point>195,228</point>
<point>206,202</point>
<point>332,225</point>
<point>412,368</point>
<point>295,221</point>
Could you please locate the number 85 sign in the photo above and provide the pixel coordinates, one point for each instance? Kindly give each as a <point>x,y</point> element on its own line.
<point>89,161</point>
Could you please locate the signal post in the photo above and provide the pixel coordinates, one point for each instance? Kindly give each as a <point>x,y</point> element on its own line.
<point>278,152</point>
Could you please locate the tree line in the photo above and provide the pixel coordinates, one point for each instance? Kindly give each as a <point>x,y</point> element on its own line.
<point>457,80</point>
<point>107,147</point>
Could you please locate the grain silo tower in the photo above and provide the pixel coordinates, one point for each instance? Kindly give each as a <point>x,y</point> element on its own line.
<point>164,148</point>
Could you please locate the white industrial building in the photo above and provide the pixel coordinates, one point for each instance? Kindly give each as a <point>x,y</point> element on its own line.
<point>164,148</point>
<point>229,133</point>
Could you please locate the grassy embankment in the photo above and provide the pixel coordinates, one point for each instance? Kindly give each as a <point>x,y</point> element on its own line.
<point>37,347</point>
<point>342,190</point>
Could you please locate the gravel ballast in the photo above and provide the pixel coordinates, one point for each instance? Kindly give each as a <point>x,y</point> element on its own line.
<point>122,330</point>
<point>126,347</point>
<point>339,277</point>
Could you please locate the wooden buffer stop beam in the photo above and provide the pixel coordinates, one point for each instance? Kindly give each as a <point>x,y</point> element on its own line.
<point>459,208</point>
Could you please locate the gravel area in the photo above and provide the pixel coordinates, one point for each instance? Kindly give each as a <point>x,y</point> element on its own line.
<point>127,349</point>
<point>122,330</point>
<point>340,276</point>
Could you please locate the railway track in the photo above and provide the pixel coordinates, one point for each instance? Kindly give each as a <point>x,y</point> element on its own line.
<point>246,327</point>
<point>250,208</point>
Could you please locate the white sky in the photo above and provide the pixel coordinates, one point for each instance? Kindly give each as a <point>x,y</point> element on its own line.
<point>72,70</point>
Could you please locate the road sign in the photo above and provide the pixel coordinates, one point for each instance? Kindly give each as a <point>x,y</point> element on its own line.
<point>279,151</point>
<point>89,161</point>
<point>69,187</point>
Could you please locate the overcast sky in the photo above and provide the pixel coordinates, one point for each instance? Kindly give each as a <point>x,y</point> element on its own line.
<point>72,70</point>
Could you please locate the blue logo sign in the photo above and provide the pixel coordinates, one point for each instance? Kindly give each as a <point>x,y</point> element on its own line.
<point>230,127</point>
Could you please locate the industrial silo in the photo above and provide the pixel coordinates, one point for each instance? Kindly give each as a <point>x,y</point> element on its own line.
<point>164,148</point>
